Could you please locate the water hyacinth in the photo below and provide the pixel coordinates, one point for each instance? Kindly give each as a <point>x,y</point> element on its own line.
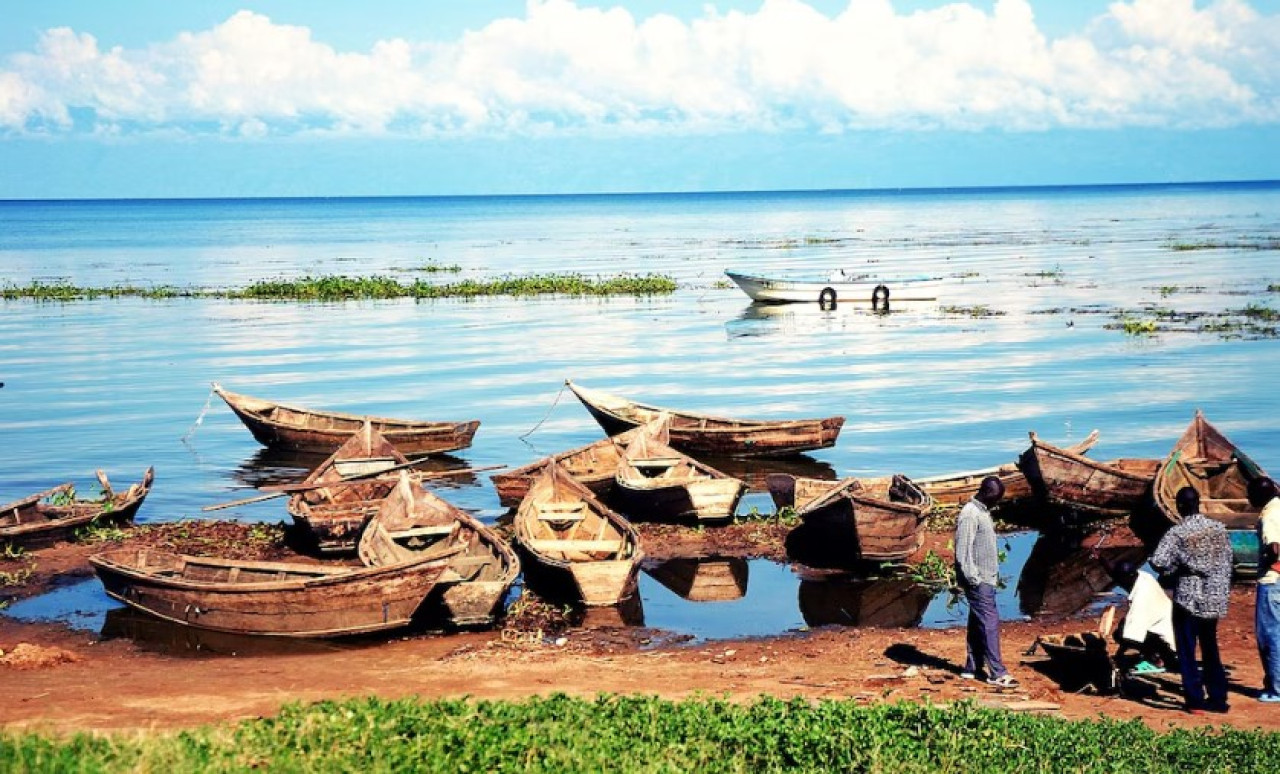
<point>341,288</point>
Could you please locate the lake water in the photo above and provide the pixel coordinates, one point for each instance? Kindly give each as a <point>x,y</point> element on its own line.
<point>926,389</point>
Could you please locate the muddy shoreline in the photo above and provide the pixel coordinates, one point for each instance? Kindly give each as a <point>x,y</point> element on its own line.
<point>65,680</point>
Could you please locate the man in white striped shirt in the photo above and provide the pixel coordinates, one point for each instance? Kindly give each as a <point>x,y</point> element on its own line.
<point>978,571</point>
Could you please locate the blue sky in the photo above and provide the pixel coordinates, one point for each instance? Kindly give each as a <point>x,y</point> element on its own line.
<point>292,98</point>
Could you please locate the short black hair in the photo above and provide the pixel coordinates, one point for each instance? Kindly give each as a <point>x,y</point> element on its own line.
<point>991,488</point>
<point>1188,500</point>
<point>1261,491</point>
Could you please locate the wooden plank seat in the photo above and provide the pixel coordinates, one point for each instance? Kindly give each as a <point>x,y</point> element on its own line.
<point>547,545</point>
<point>428,530</point>
<point>561,511</point>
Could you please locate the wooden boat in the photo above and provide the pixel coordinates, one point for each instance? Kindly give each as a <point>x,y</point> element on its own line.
<point>695,433</point>
<point>953,490</point>
<point>875,519</point>
<point>575,546</point>
<point>1071,480</point>
<point>334,516</point>
<point>594,466</point>
<point>47,517</point>
<point>703,578</point>
<point>1205,459</point>
<point>838,287</point>
<point>412,520</point>
<point>655,482</point>
<point>293,427</point>
<point>284,599</point>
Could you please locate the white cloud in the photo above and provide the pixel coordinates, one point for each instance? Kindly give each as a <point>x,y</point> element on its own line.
<point>562,68</point>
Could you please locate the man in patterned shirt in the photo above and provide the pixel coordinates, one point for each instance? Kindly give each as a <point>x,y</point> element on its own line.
<point>1264,494</point>
<point>1195,554</point>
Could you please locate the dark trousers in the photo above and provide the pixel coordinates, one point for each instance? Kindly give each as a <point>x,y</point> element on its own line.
<point>983,637</point>
<point>1188,630</point>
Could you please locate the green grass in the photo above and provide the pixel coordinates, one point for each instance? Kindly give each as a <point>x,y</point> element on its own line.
<point>342,288</point>
<point>611,733</point>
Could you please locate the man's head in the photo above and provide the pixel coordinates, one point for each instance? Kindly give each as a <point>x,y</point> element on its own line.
<point>1188,500</point>
<point>1261,491</point>
<point>990,491</point>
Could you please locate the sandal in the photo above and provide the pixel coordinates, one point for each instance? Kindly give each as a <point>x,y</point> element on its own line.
<point>1004,681</point>
<point>1147,668</point>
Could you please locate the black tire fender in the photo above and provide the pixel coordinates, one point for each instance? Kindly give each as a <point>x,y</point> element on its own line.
<point>827,297</point>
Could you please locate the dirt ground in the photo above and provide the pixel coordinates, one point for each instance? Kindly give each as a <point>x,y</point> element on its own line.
<point>64,680</point>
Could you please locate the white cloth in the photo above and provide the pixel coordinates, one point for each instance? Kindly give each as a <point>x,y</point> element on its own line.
<point>1269,532</point>
<point>1150,610</point>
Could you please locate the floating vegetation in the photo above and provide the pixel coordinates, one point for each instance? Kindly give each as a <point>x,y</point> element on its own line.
<point>431,267</point>
<point>1259,312</point>
<point>65,291</point>
<point>1273,288</point>
<point>1055,273</point>
<point>976,310</point>
<point>1263,243</point>
<point>1133,326</point>
<point>965,275</point>
<point>342,288</point>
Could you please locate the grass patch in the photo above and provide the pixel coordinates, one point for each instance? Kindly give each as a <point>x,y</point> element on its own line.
<point>341,288</point>
<point>613,733</point>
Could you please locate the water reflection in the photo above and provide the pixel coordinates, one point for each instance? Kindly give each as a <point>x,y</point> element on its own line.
<point>702,579</point>
<point>850,600</point>
<point>1064,575</point>
<point>270,467</point>
<point>171,639</point>
<point>753,470</point>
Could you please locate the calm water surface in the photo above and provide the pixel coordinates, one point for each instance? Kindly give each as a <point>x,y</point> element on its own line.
<point>119,384</point>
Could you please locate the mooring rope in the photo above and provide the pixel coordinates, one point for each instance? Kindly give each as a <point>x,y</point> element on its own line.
<point>544,416</point>
<point>200,419</point>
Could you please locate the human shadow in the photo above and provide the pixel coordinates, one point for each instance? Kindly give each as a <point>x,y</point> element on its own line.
<point>910,655</point>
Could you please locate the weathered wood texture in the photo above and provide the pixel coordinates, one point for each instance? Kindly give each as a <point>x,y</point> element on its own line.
<point>334,516</point>
<point>882,518</point>
<point>953,490</point>
<point>270,598</point>
<point>281,425</point>
<point>1205,459</point>
<point>655,482</point>
<point>411,520</point>
<point>594,465</point>
<point>575,547</point>
<point>47,517</point>
<point>696,433</point>
<point>1069,479</point>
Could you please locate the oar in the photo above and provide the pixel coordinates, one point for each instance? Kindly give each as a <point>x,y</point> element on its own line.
<point>280,490</point>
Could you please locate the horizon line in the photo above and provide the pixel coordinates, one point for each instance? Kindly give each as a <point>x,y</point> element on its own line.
<point>898,190</point>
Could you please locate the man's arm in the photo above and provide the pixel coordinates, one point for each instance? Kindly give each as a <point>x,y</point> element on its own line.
<point>1167,556</point>
<point>966,530</point>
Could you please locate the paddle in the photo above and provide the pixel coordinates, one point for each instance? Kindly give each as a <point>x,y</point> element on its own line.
<point>280,490</point>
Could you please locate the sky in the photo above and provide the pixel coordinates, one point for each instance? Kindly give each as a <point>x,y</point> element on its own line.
<point>152,98</point>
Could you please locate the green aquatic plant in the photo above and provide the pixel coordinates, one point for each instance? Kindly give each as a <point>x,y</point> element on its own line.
<point>1133,326</point>
<point>932,570</point>
<point>975,310</point>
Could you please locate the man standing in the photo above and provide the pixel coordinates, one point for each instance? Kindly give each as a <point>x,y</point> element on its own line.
<point>1263,494</point>
<point>1196,555</point>
<point>978,571</point>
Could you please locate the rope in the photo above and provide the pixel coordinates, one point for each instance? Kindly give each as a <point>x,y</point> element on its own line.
<point>199,420</point>
<point>544,416</point>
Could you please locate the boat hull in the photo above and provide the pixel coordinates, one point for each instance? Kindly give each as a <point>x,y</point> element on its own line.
<point>202,593</point>
<point>282,426</point>
<point>776,290</point>
<point>704,435</point>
